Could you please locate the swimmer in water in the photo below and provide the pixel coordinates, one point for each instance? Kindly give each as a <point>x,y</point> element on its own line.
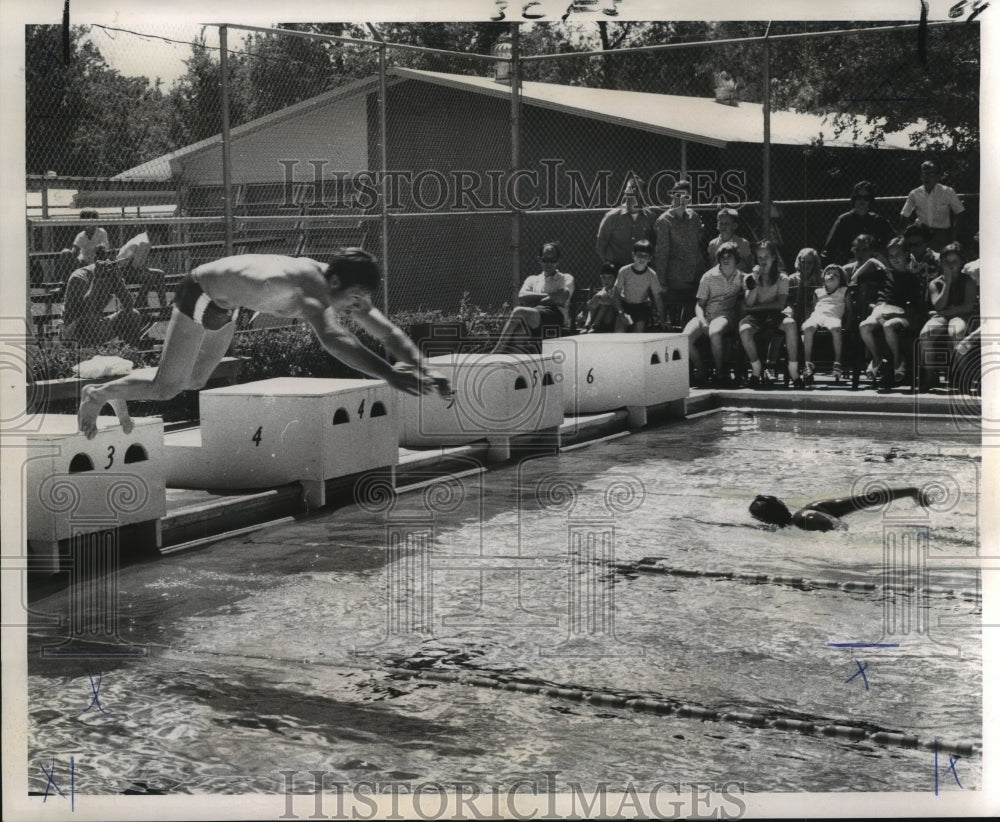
<point>825,514</point>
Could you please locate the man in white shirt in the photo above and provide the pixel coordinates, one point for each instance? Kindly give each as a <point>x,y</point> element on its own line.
<point>86,243</point>
<point>543,305</point>
<point>936,206</point>
<point>134,258</point>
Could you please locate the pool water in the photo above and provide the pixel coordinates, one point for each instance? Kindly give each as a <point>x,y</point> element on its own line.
<point>282,650</point>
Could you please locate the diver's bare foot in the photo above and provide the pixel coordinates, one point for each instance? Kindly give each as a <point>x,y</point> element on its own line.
<point>90,407</point>
<point>121,411</point>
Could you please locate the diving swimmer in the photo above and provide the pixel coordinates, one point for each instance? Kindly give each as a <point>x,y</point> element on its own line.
<point>824,514</point>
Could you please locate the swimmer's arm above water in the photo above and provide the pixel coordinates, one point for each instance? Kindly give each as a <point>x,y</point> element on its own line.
<point>839,506</point>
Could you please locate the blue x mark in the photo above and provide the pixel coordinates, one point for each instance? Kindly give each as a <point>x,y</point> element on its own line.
<point>96,691</point>
<point>51,781</point>
<point>861,673</point>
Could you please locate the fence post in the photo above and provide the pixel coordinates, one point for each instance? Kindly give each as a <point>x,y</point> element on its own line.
<point>515,151</point>
<point>227,182</point>
<point>383,90</point>
<point>766,160</point>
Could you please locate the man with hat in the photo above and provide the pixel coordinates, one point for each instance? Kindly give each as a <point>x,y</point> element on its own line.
<point>859,220</point>
<point>680,261</point>
<point>936,206</point>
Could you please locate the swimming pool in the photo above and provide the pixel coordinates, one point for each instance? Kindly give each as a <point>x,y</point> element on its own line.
<point>630,568</point>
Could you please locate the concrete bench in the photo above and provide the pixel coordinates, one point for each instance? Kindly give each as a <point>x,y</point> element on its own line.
<point>43,392</point>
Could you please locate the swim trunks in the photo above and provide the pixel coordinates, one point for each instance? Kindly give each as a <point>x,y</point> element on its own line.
<point>196,304</point>
<point>639,312</point>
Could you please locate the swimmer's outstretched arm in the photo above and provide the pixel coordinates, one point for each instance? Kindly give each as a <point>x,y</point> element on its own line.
<point>399,345</point>
<point>839,506</point>
<point>347,348</point>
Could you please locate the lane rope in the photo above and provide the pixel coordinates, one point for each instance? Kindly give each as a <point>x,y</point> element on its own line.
<point>839,729</point>
<point>848,586</point>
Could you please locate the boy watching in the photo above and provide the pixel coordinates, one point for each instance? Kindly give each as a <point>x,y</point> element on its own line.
<point>636,286</point>
<point>602,308</point>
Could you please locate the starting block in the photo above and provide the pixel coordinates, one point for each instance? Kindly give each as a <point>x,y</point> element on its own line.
<point>602,372</point>
<point>496,397</point>
<point>288,429</point>
<point>78,487</point>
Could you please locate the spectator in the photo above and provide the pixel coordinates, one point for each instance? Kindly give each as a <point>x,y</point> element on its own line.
<point>936,206</point>
<point>134,256</point>
<point>679,257</point>
<point>623,226</point>
<point>953,297</point>
<point>602,308</point>
<point>924,261</point>
<point>727,220</point>
<point>765,296</point>
<point>829,306</point>
<point>802,282</point>
<point>716,310</point>
<point>93,237</point>
<point>636,285</point>
<point>543,305</point>
<point>863,249</point>
<point>88,291</point>
<point>972,267</point>
<point>859,220</point>
<point>899,306</point>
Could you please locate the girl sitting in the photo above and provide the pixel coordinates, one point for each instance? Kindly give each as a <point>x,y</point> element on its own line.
<point>829,303</point>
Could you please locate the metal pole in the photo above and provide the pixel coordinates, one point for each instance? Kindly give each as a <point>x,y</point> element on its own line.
<point>383,90</point>
<point>227,182</point>
<point>766,160</point>
<point>515,150</point>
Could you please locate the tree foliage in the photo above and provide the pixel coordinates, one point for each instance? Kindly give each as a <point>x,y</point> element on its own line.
<point>84,117</point>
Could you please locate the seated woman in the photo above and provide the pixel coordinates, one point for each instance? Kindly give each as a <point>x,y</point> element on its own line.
<point>802,282</point>
<point>899,306</point>
<point>765,295</point>
<point>716,309</point>
<point>825,514</point>
<point>953,297</point>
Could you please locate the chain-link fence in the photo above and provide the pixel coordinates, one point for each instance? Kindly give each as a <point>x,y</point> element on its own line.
<point>450,170</point>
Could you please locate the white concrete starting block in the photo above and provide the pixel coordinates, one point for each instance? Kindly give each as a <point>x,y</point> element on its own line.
<point>289,429</point>
<point>76,486</point>
<point>602,372</point>
<point>496,397</point>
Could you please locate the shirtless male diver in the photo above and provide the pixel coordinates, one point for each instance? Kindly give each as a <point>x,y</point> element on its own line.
<point>824,514</point>
<point>203,323</point>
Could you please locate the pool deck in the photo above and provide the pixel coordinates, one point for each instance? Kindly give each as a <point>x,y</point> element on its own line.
<point>195,517</point>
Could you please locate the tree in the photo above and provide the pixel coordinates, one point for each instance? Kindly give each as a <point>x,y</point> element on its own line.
<point>82,117</point>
